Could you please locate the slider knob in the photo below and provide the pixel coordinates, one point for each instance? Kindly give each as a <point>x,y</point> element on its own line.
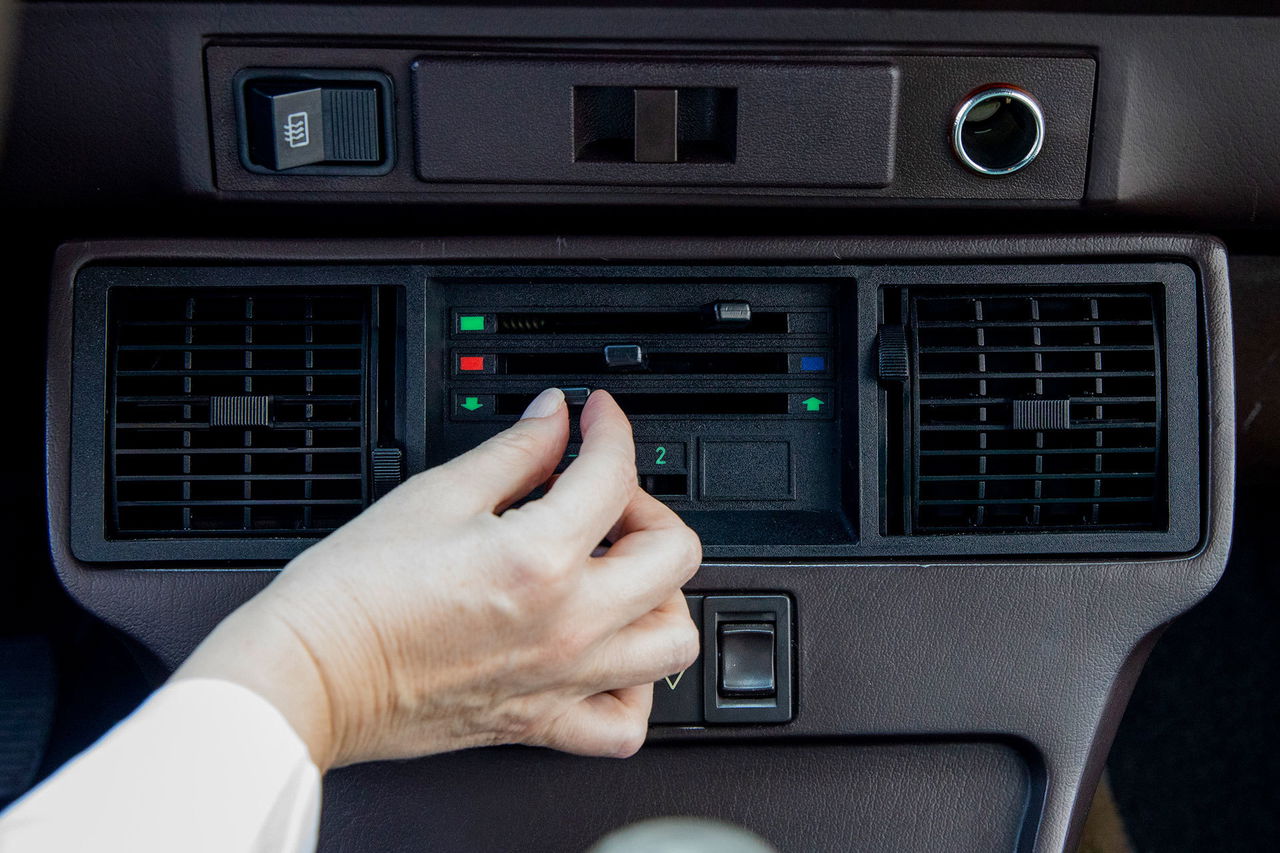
<point>726,315</point>
<point>892,356</point>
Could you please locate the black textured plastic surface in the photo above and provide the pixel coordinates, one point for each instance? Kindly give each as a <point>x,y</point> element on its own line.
<point>352,125</point>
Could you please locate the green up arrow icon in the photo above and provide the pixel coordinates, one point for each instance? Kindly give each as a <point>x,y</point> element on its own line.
<point>813,404</point>
<point>472,403</point>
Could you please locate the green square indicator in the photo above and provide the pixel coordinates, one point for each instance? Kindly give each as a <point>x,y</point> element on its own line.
<point>470,322</point>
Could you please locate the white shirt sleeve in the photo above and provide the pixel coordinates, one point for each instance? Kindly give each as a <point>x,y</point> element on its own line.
<point>203,765</point>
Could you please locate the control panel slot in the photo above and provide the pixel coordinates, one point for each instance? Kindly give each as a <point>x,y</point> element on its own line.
<point>639,322</point>
<point>671,363</point>
<point>640,404</point>
<point>666,485</point>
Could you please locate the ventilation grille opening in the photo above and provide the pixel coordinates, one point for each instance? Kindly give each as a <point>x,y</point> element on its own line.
<point>1038,410</point>
<point>236,413</point>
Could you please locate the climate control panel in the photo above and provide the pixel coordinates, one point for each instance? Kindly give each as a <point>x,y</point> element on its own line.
<point>818,411</point>
<point>732,387</point>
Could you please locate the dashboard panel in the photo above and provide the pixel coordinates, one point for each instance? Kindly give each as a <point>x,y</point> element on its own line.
<point>876,653</point>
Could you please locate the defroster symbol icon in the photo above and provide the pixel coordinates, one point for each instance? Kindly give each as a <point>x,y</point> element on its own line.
<point>297,131</point>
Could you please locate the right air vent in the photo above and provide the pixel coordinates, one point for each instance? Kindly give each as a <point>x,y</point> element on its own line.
<point>1035,410</point>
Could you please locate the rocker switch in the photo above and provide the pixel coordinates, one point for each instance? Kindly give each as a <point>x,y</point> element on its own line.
<point>747,659</point>
<point>747,651</point>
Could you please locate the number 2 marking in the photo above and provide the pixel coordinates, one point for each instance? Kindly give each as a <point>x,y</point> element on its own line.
<point>662,456</point>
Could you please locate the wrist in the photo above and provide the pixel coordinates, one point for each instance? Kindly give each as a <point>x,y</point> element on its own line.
<point>258,650</point>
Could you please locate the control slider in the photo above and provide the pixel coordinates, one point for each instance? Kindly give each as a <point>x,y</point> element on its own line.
<point>727,315</point>
<point>818,403</point>
<point>624,357</point>
<point>635,358</point>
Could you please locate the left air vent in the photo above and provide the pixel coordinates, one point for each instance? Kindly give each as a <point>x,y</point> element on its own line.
<point>237,413</point>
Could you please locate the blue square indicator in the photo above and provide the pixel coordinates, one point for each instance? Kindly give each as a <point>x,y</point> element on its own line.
<point>813,363</point>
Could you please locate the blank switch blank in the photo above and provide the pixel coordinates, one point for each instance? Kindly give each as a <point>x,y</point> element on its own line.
<point>657,125</point>
<point>746,471</point>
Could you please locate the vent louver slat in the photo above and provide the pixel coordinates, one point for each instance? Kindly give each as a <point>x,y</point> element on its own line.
<point>1035,410</point>
<point>236,413</point>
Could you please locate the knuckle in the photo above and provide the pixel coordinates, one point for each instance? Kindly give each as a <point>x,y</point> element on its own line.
<point>574,644</point>
<point>691,549</point>
<point>566,648</point>
<point>686,646</point>
<point>537,568</point>
<point>631,738</point>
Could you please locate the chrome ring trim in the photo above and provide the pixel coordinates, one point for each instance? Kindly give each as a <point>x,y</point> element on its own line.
<point>985,95</point>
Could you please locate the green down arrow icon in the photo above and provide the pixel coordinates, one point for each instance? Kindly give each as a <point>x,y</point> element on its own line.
<point>472,403</point>
<point>813,404</point>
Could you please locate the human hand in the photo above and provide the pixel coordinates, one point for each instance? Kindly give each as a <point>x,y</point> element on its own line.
<point>441,619</point>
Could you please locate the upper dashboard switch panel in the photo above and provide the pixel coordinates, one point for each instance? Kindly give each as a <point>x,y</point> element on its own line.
<point>314,122</point>
<point>585,122</point>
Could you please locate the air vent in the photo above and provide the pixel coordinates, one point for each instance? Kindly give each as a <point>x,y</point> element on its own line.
<point>1035,410</point>
<point>236,413</point>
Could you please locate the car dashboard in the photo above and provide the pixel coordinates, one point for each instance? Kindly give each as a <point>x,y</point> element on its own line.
<point>922,318</point>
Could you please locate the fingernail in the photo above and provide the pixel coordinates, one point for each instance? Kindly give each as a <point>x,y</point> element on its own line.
<point>546,403</point>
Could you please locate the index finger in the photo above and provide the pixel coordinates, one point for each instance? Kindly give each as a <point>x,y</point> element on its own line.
<point>592,493</point>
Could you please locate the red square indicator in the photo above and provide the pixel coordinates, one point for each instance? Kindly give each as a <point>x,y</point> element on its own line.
<point>471,362</point>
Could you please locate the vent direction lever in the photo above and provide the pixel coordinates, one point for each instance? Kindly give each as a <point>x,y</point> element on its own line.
<point>1041,415</point>
<point>893,360</point>
<point>239,410</point>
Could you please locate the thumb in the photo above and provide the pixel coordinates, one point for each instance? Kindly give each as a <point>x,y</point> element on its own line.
<point>514,462</point>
